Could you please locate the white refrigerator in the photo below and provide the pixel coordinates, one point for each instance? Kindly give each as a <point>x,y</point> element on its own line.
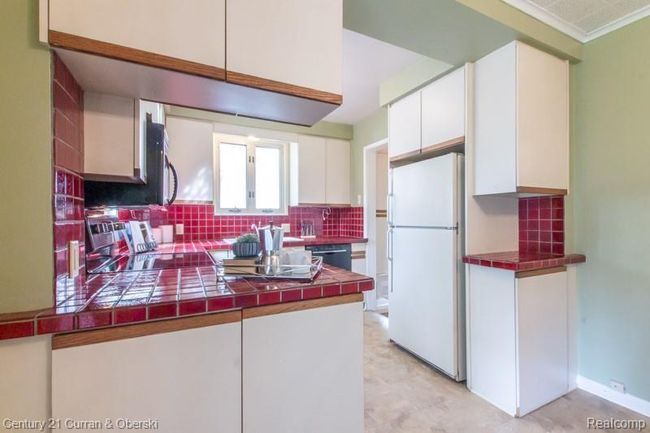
<point>425,247</point>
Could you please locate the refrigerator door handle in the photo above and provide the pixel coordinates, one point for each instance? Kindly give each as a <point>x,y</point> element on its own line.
<point>389,205</point>
<point>389,249</point>
<point>389,242</point>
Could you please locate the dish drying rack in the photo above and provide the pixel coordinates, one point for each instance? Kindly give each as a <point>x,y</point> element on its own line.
<point>306,272</point>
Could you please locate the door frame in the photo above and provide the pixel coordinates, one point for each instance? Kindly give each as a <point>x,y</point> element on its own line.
<point>369,214</point>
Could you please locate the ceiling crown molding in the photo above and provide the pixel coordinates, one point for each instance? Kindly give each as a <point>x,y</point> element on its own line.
<point>571,30</point>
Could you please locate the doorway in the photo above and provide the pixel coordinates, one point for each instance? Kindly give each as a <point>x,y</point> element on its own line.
<point>375,193</point>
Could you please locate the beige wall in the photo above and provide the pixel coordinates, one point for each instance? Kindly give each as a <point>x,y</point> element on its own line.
<point>26,259</point>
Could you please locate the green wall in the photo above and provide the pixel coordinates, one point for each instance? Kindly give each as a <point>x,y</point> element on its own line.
<point>26,263</point>
<point>369,130</point>
<point>611,206</point>
<point>411,77</point>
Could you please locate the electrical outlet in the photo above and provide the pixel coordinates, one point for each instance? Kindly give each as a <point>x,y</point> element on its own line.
<point>73,259</point>
<point>180,229</point>
<point>286,228</point>
<point>617,386</point>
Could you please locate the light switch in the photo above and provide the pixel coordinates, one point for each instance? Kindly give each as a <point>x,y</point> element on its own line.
<point>286,228</point>
<point>180,229</point>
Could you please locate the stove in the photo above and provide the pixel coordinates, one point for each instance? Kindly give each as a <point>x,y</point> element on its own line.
<point>149,261</point>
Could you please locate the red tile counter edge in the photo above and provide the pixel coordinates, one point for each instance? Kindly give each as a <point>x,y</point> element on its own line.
<point>115,299</point>
<point>520,261</point>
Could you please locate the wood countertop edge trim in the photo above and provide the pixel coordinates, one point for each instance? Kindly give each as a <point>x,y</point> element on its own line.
<point>133,55</point>
<point>538,272</point>
<point>289,307</point>
<point>246,80</point>
<point>324,204</point>
<point>428,152</point>
<point>539,190</point>
<point>82,338</point>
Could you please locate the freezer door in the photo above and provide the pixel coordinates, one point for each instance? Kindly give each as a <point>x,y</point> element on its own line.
<point>425,193</point>
<point>423,302</point>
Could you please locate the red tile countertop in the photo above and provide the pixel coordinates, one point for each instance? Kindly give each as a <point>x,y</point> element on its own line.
<point>520,261</point>
<point>114,299</point>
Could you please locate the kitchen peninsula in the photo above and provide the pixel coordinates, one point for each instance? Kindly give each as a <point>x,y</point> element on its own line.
<point>217,347</point>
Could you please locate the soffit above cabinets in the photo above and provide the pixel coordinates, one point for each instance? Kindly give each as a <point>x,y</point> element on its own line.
<point>584,20</point>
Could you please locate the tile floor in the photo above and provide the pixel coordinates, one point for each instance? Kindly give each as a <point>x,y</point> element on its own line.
<point>405,396</point>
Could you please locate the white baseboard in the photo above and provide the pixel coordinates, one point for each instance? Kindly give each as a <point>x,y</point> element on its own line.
<point>603,391</point>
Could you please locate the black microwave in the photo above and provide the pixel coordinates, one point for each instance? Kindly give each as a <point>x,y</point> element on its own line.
<point>161,179</point>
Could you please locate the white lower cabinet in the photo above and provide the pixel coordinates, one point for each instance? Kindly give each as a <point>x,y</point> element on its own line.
<point>189,380</point>
<point>517,338</point>
<point>303,371</point>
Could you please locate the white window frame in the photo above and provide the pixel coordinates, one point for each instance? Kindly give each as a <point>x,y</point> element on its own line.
<point>251,144</point>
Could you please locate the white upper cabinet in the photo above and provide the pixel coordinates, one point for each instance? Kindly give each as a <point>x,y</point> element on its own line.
<point>443,109</point>
<point>337,172</point>
<point>404,127</point>
<point>115,137</point>
<point>194,31</point>
<point>294,42</point>
<point>320,171</point>
<point>308,170</point>
<point>276,60</point>
<point>521,122</point>
<point>110,151</point>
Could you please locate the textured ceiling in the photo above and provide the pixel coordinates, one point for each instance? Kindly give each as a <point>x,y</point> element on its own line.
<point>585,19</point>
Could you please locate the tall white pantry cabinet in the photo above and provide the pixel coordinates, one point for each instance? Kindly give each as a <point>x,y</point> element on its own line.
<point>521,115</point>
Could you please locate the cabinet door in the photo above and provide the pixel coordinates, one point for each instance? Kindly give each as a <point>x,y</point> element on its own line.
<point>311,177</point>
<point>303,371</point>
<point>189,380</point>
<point>443,109</point>
<point>542,339</point>
<point>296,42</point>
<point>404,126</point>
<point>337,176</point>
<point>110,138</point>
<point>495,122</point>
<point>542,119</point>
<point>192,30</point>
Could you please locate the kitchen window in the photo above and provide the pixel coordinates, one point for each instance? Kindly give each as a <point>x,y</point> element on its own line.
<point>250,176</point>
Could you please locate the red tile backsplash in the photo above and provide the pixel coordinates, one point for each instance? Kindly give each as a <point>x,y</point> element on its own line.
<point>67,146</point>
<point>200,223</point>
<point>541,225</point>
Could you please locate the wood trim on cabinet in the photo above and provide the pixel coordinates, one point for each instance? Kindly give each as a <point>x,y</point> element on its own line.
<point>61,341</point>
<point>537,190</point>
<point>454,145</point>
<point>358,255</point>
<point>279,87</point>
<point>538,272</point>
<point>133,55</point>
<point>289,307</point>
<point>325,204</point>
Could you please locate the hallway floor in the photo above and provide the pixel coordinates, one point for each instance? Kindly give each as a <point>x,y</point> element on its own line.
<point>403,395</point>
